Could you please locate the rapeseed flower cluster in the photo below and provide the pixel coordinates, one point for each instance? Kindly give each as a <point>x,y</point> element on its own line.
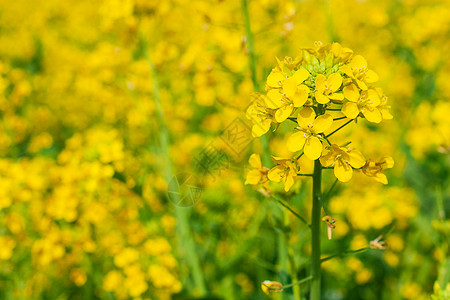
<point>323,86</point>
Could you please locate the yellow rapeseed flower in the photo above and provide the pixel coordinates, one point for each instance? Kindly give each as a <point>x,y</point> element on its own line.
<point>308,137</point>
<point>343,160</point>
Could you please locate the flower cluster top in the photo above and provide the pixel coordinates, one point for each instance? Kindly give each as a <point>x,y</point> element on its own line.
<point>322,86</point>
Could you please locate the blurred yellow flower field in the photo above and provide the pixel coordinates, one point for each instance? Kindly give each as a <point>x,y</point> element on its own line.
<point>170,149</point>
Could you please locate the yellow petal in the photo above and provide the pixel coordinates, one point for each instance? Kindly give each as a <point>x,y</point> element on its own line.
<point>313,148</point>
<point>301,75</point>
<point>385,113</point>
<point>336,48</point>
<point>372,114</point>
<point>274,174</point>
<point>327,159</point>
<point>351,93</point>
<point>283,113</point>
<point>336,96</point>
<point>275,79</point>
<point>342,171</point>
<point>373,98</point>
<point>322,123</point>
<point>358,62</point>
<point>361,84</point>
<point>260,128</point>
<point>350,110</point>
<point>371,76</point>
<point>253,177</point>
<point>306,116</point>
<point>273,99</point>
<point>320,83</point>
<point>388,162</point>
<point>290,87</point>
<point>288,183</point>
<point>356,160</point>
<point>348,71</point>
<point>255,161</point>
<point>296,141</point>
<point>301,96</point>
<point>334,81</point>
<point>322,99</point>
<point>380,177</point>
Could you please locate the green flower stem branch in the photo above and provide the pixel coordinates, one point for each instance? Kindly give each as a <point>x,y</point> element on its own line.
<point>342,126</point>
<point>345,253</point>
<point>282,203</point>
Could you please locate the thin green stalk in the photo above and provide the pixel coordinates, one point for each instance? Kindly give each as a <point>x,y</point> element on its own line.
<point>251,54</point>
<point>348,122</point>
<point>252,67</point>
<point>298,282</point>
<point>283,255</point>
<point>293,269</point>
<point>291,210</point>
<point>344,253</point>
<point>327,195</point>
<point>181,214</point>
<point>315,231</point>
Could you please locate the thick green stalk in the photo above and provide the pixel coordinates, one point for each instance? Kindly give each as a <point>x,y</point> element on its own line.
<point>181,213</point>
<point>315,231</point>
<point>252,67</point>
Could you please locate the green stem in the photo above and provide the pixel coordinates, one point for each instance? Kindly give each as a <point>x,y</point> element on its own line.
<point>348,122</point>
<point>344,253</point>
<point>252,66</point>
<point>251,54</point>
<point>315,231</point>
<point>291,210</point>
<point>298,282</point>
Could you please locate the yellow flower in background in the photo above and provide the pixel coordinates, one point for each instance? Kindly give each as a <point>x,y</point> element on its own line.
<point>373,169</point>
<point>343,160</point>
<point>259,173</point>
<point>308,136</point>
<point>78,276</point>
<point>6,250</point>
<point>366,103</point>
<point>285,171</point>
<point>285,94</point>
<point>359,72</point>
<point>326,88</point>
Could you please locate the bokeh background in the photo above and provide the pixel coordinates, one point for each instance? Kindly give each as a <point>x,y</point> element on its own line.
<point>107,106</point>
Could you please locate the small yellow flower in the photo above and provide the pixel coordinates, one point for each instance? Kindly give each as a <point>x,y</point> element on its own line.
<point>259,173</point>
<point>308,136</point>
<point>374,169</point>
<point>285,94</point>
<point>271,286</point>
<point>365,103</point>
<point>384,107</point>
<point>359,72</point>
<point>260,115</point>
<point>326,88</point>
<point>343,160</point>
<point>285,171</point>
